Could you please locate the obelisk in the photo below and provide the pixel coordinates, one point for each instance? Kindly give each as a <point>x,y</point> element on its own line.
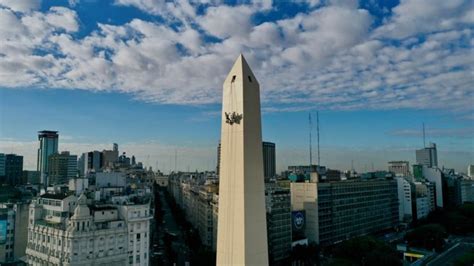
<point>241,228</point>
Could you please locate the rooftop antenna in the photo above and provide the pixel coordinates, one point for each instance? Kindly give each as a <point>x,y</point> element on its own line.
<point>310,143</point>
<point>175,160</point>
<point>424,136</point>
<point>317,128</point>
<point>352,165</point>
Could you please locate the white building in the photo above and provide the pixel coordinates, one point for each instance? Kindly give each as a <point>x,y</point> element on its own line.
<point>405,199</point>
<point>467,190</point>
<point>435,175</point>
<point>425,198</point>
<point>66,230</point>
<point>137,216</point>
<point>78,185</point>
<point>470,170</point>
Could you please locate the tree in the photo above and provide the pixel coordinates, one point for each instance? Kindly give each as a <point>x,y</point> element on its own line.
<point>305,254</point>
<point>430,236</point>
<point>364,250</point>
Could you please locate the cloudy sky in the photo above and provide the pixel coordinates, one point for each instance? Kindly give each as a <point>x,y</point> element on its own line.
<point>148,75</point>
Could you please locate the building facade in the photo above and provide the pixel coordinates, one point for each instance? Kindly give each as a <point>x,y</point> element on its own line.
<point>405,199</point>
<point>399,168</point>
<point>336,211</point>
<point>13,231</point>
<point>427,156</point>
<point>13,170</point>
<point>279,233</point>
<point>48,141</point>
<point>70,230</point>
<point>62,167</point>
<point>269,160</point>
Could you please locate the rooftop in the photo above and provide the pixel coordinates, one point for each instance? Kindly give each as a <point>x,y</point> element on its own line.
<point>54,196</point>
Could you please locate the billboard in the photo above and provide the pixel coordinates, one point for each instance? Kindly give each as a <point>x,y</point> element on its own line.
<point>3,231</point>
<point>298,224</point>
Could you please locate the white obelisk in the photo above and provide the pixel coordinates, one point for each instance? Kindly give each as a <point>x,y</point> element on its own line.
<point>242,227</point>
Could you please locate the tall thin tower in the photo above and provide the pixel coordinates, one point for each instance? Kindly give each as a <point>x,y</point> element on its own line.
<point>424,136</point>
<point>242,230</point>
<point>317,128</point>
<point>310,141</point>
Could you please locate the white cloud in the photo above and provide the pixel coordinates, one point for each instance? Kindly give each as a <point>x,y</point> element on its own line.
<point>225,21</point>
<point>21,5</point>
<point>330,57</point>
<point>413,17</point>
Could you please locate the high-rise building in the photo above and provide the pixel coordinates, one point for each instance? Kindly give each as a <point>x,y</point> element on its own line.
<point>269,164</point>
<point>399,168</point>
<point>470,170</point>
<point>13,231</point>
<point>242,230</point>
<point>425,199</point>
<point>278,205</point>
<point>61,168</point>
<point>467,190</point>
<point>31,177</point>
<point>435,175</point>
<point>336,211</point>
<point>2,165</point>
<point>110,157</point>
<point>90,161</point>
<point>13,169</point>
<point>405,199</point>
<point>48,145</point>
<point>427,156</point>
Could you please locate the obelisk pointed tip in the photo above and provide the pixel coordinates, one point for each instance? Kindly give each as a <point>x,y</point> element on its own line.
<point>242,68</point>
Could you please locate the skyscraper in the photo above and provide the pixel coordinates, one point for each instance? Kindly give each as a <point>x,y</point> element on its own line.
<point>427,156</point>
<point>61,168</point>
<point>48,145</point>
<point>269,166</point>
<point>241,231</point>
<point>13,169</point>
<point>2,165</point>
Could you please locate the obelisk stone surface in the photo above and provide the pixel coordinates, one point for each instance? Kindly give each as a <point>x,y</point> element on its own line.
<point>242,233</point>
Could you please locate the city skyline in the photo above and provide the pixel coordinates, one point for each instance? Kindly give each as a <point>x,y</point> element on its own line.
<point>139,76</point>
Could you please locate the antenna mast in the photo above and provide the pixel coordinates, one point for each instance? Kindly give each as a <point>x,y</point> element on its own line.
<point>424,136</point>
<point>175,160</point>
<point>317,125</point>
<point>310,144</point>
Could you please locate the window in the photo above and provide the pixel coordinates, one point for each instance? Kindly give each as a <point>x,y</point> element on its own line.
<point>138,237</point>
<point>250,79</point>
<point>137,258</point>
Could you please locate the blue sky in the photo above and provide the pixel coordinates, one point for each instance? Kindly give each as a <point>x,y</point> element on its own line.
<point>147,74</point>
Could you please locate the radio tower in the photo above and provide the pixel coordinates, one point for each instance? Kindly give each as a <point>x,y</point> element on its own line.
<point>317,128</point>
<point>424,143</point>
<point>310,142</point>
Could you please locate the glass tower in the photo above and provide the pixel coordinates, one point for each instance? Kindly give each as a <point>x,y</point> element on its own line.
<point>48,145</point>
